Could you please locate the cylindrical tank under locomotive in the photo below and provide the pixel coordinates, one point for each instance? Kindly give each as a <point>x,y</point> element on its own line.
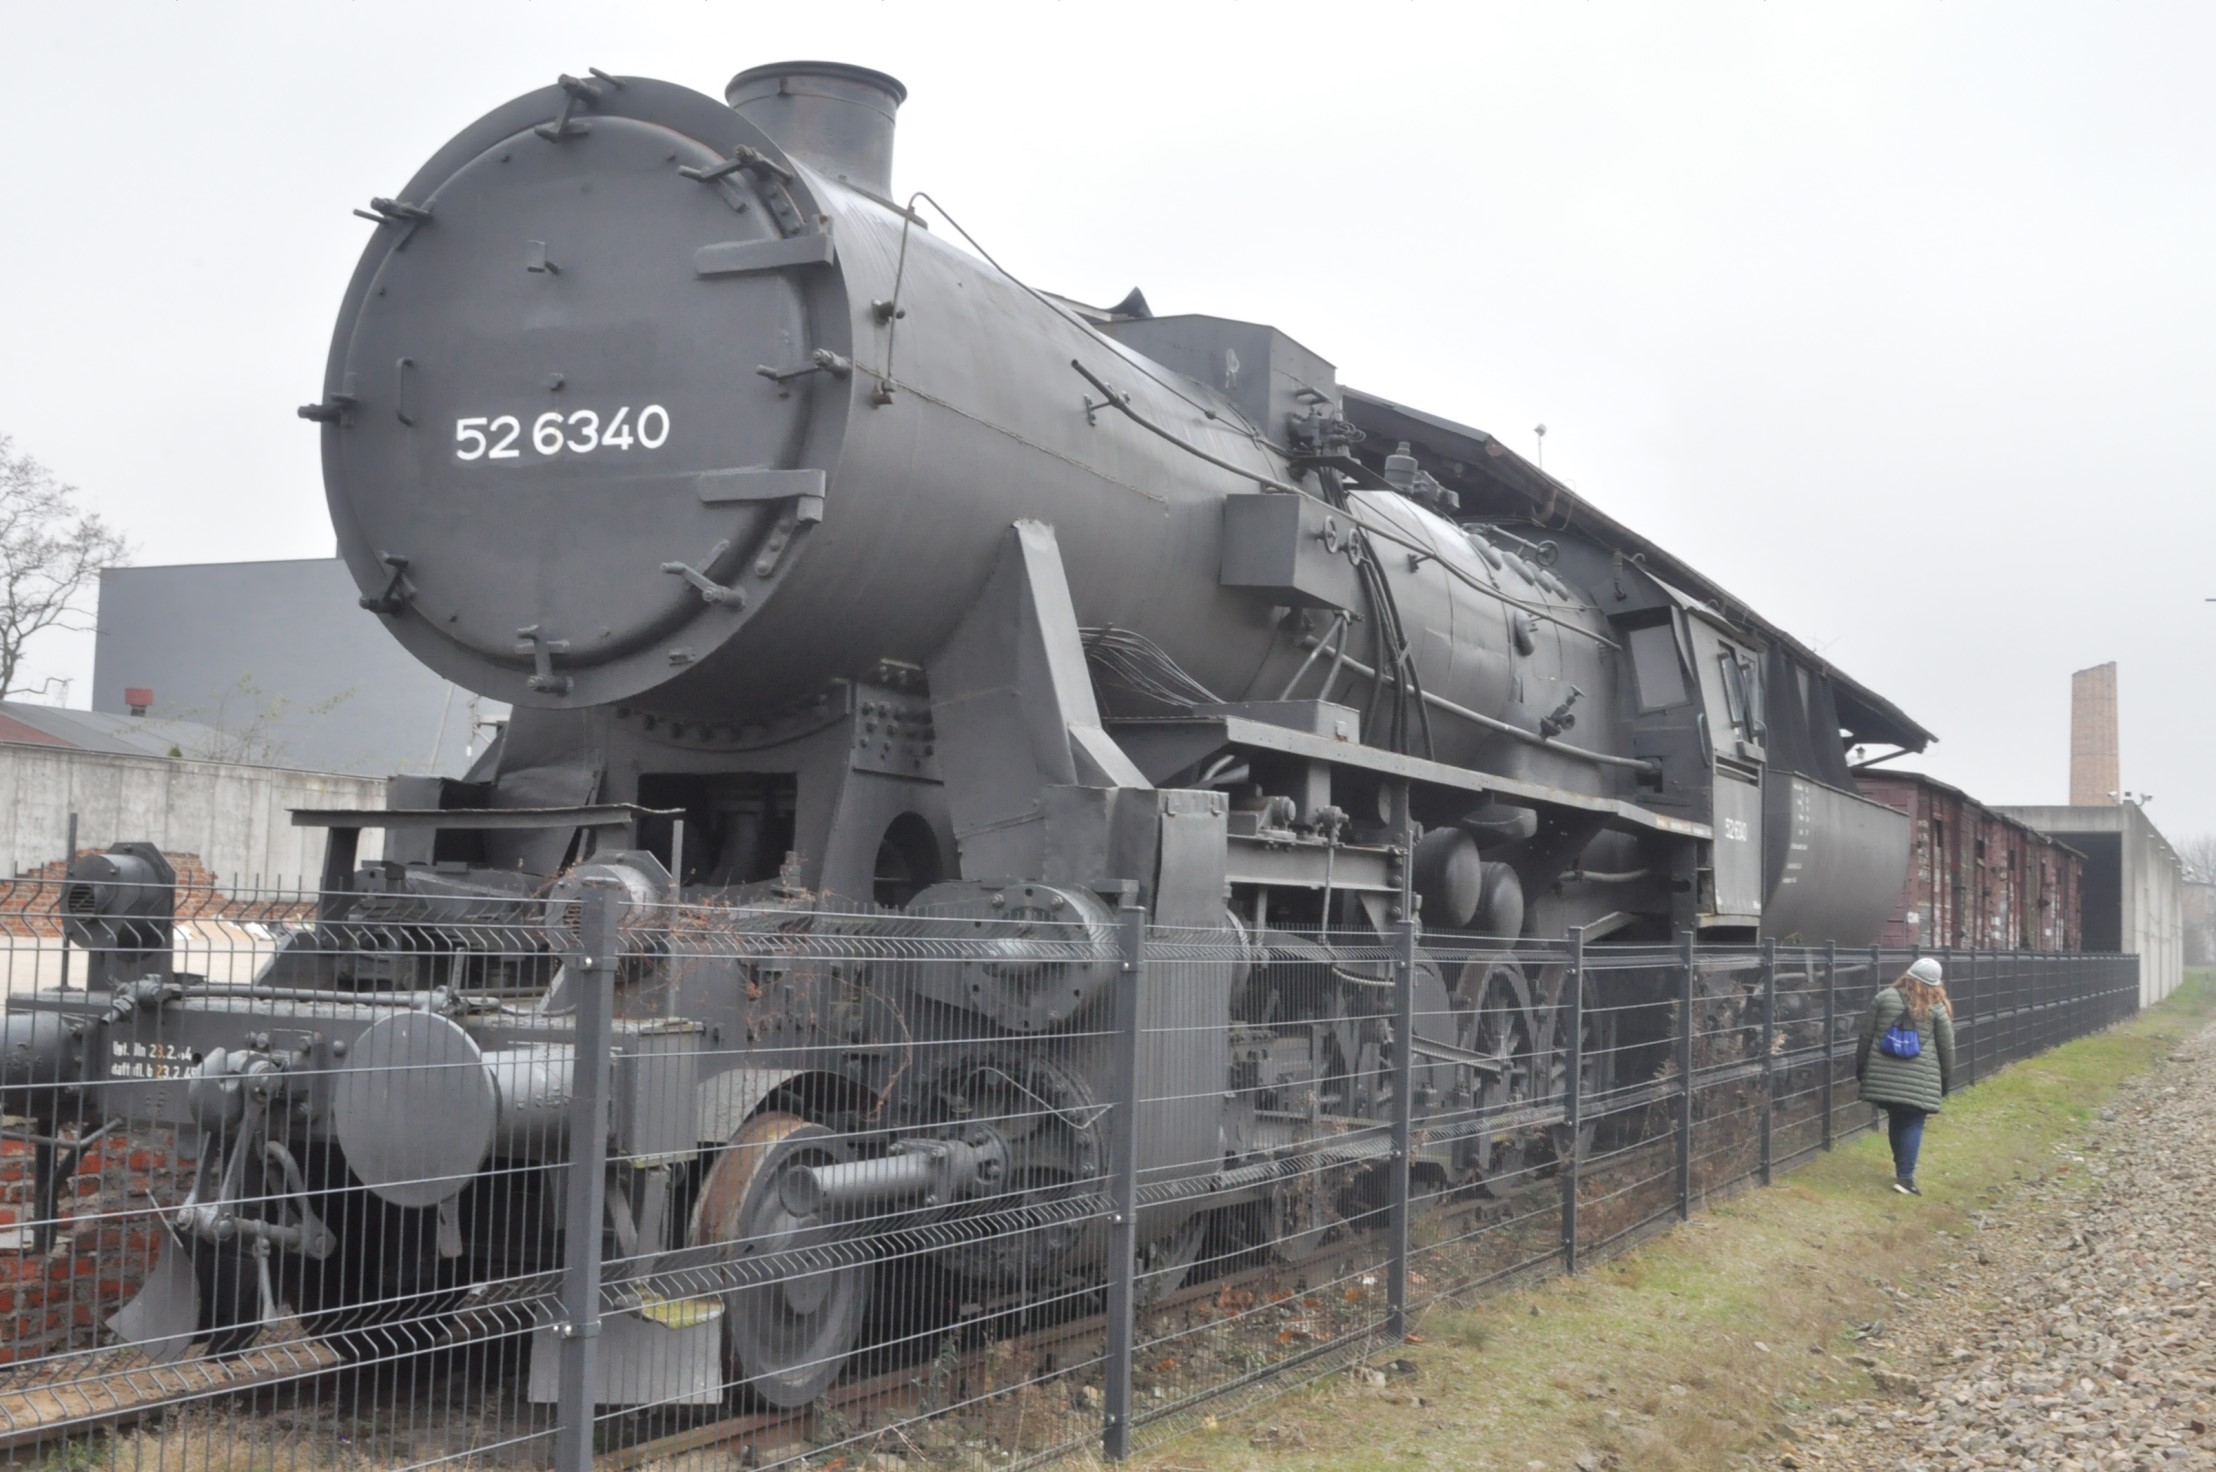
<point>828,565</point>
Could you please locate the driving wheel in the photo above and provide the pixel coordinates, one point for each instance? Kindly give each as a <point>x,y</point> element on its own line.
<point>1500,1025</point>
<point>786,1338</point>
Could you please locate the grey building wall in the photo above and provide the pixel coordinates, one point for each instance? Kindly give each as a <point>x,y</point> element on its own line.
<point>2134,886</point>
<point>281,657</point>
<point>237,820</point>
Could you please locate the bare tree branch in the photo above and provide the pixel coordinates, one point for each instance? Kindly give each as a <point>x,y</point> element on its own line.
<point>2199,853</point>
<point>51,553</point>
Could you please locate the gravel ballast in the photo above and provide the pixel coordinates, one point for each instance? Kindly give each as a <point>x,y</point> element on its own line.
<point>2073,1329</point>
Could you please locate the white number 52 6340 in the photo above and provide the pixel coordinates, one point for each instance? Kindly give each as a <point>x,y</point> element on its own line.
<point>575,432</point>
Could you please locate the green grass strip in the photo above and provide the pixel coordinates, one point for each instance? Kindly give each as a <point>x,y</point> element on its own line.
<point>1682,1354</point>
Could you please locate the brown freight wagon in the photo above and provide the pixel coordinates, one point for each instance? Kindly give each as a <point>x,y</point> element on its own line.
<point>1975,878</point>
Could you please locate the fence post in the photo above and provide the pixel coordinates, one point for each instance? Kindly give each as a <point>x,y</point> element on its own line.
<point>1404,1108</point>
<point>1123,1218</point>
<point>584,1199</point>
<point>1831,1033</point>
<point>2013,1048</point>
<point>1969,1010</point>
<point>2058,982</point>
<point>1994,983</point>
<point>2065,986</point>
<point>1573,1090</point>
<point>2026,976</point>
<point>1769,1064</point>
<point>1949,967</point>
<point>1687,990</point>
<point>2019,988</point>
<point>69,862</point>
<point>2042,989</point>
<point>1877,980</point>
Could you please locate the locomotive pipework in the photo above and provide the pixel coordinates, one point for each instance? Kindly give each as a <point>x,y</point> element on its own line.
<point>894,470</point>
<point>852,595</point>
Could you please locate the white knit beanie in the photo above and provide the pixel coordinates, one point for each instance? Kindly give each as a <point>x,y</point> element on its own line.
<point>1926,970</point>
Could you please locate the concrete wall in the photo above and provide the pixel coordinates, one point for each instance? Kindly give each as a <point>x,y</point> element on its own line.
<point>236,819</point>
<point>282,656</point>
<point>2134,885</point>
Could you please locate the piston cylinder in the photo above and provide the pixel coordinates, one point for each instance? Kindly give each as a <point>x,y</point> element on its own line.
<point>420,1107</point>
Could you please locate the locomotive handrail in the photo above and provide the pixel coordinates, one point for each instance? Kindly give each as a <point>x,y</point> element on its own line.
<point>596,815</point>
<point>1540,611</point>
<point>1122,403</point>
<point>1644,765</point>
<point>1246,731</point>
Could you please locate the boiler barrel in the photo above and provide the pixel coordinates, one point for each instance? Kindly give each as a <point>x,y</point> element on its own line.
<point>612,418</point>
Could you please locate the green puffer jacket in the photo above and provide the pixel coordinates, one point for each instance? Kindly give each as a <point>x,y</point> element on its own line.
<point>1918,1082</point>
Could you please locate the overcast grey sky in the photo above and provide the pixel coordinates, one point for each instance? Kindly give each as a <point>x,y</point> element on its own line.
<point>1895,319</point>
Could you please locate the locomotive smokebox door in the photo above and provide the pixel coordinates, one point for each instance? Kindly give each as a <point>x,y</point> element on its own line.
<point>594,372</point>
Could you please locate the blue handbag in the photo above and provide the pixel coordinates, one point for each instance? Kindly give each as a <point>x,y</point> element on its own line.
<point>1901,1039</point>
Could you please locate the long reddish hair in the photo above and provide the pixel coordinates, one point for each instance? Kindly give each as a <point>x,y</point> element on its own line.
<point>1920,997</point>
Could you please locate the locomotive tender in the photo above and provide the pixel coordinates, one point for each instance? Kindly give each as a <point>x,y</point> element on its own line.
<point>831,569</point>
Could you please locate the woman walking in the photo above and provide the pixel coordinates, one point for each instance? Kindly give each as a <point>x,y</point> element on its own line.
<point>1905,1062</point>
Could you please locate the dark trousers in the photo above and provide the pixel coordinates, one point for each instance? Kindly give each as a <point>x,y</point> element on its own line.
<point>1904,1126</point>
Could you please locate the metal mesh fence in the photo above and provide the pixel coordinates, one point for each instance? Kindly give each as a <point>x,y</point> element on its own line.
<point>535,1181</point>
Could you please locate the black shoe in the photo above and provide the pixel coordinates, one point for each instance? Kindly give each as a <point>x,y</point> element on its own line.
<point>1907,1188</point>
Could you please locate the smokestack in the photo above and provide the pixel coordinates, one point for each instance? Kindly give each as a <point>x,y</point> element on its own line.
<point>2096,775</point>
<point>836,119</point>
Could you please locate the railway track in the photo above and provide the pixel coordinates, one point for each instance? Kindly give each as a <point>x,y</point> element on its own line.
<point>896,1391</point>
<point>895,1394</point>
<point>63,1402</point>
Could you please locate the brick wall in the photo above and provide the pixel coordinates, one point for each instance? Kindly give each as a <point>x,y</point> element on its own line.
<point>104,1242</point>
<point>2095,761</point>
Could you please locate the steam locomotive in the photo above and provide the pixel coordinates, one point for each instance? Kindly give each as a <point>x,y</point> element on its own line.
<point>837,578</point>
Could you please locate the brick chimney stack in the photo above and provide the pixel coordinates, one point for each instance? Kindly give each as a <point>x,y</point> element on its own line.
<point>2095,773</point>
